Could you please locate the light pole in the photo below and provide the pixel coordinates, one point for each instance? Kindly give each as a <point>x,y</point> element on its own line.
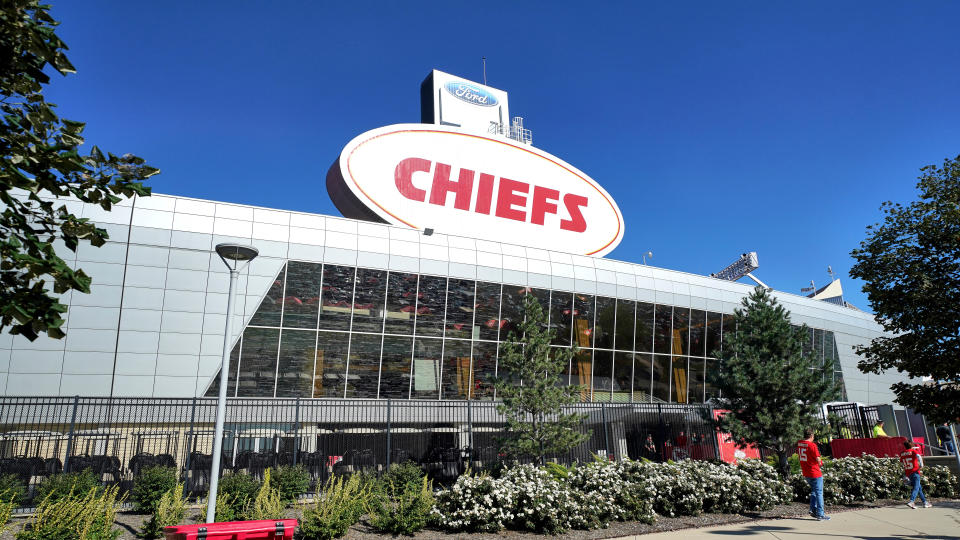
<point>232,255</point>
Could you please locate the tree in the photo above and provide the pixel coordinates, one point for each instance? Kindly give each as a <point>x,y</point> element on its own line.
<point>771,386</point>
<point>533,393</point>
<point>910,264</point>
<point>40,156</point>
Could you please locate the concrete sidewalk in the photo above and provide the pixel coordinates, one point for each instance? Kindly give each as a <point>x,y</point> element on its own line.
<point>942,522</point>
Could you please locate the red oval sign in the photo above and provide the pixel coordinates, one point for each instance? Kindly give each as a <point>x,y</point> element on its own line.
<point>427,176</point>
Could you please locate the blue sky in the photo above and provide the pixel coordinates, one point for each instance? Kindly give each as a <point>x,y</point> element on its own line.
<point>719,127</point>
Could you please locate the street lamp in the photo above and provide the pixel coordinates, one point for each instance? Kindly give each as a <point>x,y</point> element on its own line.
<point>232,255</point>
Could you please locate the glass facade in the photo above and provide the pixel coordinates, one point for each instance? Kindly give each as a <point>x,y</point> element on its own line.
<point>339,331</point>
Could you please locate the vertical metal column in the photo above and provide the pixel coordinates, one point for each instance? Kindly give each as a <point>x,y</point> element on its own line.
<point>73,422</point>
<point>713,437</point>
<point>469,431</point>
<point>296,431</point>
<point>606,438</point>
<point>388,431</point>
<point>190,444</point>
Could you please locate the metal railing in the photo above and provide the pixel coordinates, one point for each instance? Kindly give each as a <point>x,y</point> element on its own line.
<point>118,438</point>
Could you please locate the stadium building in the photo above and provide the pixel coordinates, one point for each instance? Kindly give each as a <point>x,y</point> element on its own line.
<point>449,223</point>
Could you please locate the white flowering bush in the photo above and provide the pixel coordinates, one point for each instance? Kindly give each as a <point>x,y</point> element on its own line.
<point>772,490</point>
<point>938,481</point>
<point>542,503</point>
<point>473,504</point>
<point>857,479</point>
<point>612,491</point>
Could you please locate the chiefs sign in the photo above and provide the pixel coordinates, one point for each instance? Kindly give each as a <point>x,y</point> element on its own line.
<point>429,176</point>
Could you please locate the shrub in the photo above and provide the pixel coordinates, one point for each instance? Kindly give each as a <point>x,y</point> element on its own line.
<point>152,484</point>
<point>473,504</point>
<point>225,510</point>
<point>268,504</point>
<point>169,510</point>
<point>402,474</point>
<point>773,490</point>
<point>337,507</point>
<point>12,488</point>
<point>60,486</point>
<point>541,503</point>
<point>7,504</point>
<point>291,481</point>
<point>239,490</point>
<point>938,481</point>
<point>74,517</point>
<point>857,479</point>
<point>403,507</point>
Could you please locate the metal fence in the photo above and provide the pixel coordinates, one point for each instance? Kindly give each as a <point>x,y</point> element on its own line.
<point>118,438</point>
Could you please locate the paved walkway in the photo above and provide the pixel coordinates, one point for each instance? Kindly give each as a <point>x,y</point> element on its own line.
<point>942,522</point>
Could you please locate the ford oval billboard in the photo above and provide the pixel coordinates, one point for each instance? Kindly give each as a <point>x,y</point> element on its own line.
<point>428,176</point>
<point>470,93</point>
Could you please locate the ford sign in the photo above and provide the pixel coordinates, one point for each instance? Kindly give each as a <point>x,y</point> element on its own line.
<point>471,93</point>
<point>427,176</point>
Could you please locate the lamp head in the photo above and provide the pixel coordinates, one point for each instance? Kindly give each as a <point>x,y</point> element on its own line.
<point>236,252</point>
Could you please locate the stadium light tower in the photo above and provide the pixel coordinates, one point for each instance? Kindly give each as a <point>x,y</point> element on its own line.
<point>232,255</point>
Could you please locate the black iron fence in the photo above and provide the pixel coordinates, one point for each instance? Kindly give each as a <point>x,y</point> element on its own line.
<point>118,438</point>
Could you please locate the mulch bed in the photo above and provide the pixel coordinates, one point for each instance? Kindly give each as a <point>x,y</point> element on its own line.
<point>130,523</point>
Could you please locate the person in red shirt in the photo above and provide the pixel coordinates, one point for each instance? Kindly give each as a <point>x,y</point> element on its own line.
<point>810,461</point>
<point>912,462</point>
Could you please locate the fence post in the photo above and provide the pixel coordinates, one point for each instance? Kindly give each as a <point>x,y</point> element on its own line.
<point>606,438</point>
<point>296,431</point>
<point>470,432</point>
<point>73,423</point>
<point>388,432</point>
<point>189,446</point>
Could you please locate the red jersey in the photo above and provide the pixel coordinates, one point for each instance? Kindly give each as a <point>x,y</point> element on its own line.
<point>809,459</point>
<point>911,461</point>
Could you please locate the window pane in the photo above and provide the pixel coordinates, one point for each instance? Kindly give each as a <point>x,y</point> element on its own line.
<point>583,320</point>
<point>561,308</point>
<point>363,372</point>
<point>395,367</point>
<point>710,373</point>
<point>369,300</point>
<point>698,332</point>
<point>401,303</point>
<point>460,308</point>
<point>623,340</point>
<point>729,328</point>
<point>818,347</point>
<point>603,333</point>
<point>622,374</point>
<point>661,377</point>
<point>488,310</point>
<point>426,368</point>
<point>581,372</point>
<point>678,390</point>
<point>457,375</point>
<point>602,375</point>
<point>696,381</point>
<point>432,293</point>
<point>662,324</point>
<point>214,389</point>
<point>511,314</point>
<point>643,339</point>
<point>484,369</point>
<point>258,362</point>
<point>713,333</point>
<point>298,353</point>
<point>681,330</point>
<point>330,376</point>
<point>302,299</point>
<point>269,311</point>
<point>337,297</point>
<point>642,364</point>
<point>543,298</point>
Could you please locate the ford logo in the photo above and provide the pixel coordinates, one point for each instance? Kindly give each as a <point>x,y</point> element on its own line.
<point>471,94</point>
